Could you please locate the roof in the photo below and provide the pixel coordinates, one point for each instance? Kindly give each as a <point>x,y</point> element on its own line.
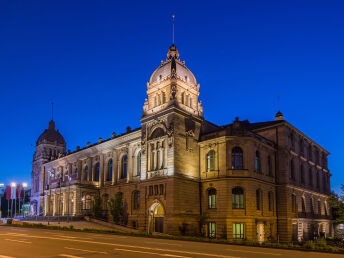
<point>51,135</point>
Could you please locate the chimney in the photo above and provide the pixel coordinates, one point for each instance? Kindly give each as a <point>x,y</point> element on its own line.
<point>100,139</point>
<point>128,129</point>
<point>113,135</point>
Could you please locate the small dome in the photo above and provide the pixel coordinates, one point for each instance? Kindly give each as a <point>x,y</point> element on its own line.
<point>51,135</point>
<point>165,69</point>
<point>279,116</point>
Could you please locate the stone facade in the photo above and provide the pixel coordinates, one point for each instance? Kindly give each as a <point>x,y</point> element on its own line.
<point>180,174</point>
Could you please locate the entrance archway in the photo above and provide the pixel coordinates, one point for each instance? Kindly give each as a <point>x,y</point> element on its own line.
<point>157,215</point>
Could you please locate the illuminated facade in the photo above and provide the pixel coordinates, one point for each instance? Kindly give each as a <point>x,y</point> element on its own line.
<point>258,181</point>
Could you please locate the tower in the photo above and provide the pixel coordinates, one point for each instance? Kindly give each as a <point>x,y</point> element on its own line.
<point>49,146</point>
<point>171,125</point>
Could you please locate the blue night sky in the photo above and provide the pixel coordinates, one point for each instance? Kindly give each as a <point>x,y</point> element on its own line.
<point>94,58</point>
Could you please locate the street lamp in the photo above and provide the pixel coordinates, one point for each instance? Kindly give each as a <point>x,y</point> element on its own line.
<point>24,186</point>
<point>1,186</point>
<point>13,185</point>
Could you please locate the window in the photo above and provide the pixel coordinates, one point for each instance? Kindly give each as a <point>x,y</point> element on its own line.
<point>96,172</point>
<point>293,203</point>
<point>303,205</point>
<point>182,97</point>
<point>325,208</point>
<point>76,171</point>
<point>136,200</point>
<point>151,190</point>
<point>190,102</point>
<point>237,198</point>
<point>257,162</point>
<point>163,97</point>
<point>319,208</point>
<point>212,198</point>
<point>237,158</point>
<point>161,188</point>
<point>156,190</point>
<point>292,141</point>
<point>271,201</point>
<point>86,173</point>
<point>109,175</point>
<point>124,166</point>
<point>310,156</point>
<point>311,206</point>
<point>155,101</point>
<point>159,99</point>
<point>138,164</point>
<point>238,230</point>
<point>318,180</point>
<point>187,100</point>
<point>292,169</point>
<point>258,199</point>
<point>310,172</point>
<point>301,147</point>
<point>210,160</point>
<point>302,172</point>
<point>269,166</point>
<point>316,153</point>
<point>211,229</point>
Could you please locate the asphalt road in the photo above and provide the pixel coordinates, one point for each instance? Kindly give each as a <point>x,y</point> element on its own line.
<point>26,242</point>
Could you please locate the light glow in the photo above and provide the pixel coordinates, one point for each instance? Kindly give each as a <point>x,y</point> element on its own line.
<point>13,184</point>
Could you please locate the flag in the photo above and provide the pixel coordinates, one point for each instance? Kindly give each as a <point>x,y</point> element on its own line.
<point>13,192</point>
<point>19,192</point>
<point>8,192</point>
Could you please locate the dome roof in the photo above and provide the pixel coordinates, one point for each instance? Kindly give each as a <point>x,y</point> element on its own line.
<point>51,135</point>
<point>173,61</point>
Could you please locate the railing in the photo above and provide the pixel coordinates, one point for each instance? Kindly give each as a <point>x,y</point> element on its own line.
<point>155,173</point>
<point>310,215</point>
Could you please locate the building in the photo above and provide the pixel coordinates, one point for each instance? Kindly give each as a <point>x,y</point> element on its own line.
<point>259,181</point>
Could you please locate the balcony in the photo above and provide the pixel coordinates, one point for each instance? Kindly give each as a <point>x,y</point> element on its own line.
<point>309,215</point>
<point>157,173</point>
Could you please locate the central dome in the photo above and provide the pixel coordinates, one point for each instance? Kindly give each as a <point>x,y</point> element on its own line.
<point>51,135</point>
<point>165,70</point>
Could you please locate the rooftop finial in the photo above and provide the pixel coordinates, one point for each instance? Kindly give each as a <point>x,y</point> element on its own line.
<point>52,110</point>
<point>173,16</point>
<point>278,101</point>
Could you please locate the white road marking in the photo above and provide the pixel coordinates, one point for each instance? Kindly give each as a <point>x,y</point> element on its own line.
<point>161,243</point>
<point>143,252</point>
<point>19,241</point>
<point>70,256</point>
<point>88,251</point>
<point>245,251</point>
<point>121,245</point>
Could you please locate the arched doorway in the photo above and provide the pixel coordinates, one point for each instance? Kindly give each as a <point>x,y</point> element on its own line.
<point>157,214</point>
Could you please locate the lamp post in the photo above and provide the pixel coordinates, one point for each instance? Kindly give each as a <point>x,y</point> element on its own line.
<point>24,186</point>
<point>13,185</point>
<point>1,185</point>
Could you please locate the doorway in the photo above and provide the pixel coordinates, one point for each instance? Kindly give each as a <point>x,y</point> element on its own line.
<point>260,232</point>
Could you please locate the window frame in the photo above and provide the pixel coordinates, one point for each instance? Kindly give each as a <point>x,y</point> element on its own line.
<point>241,234</point>
<point>238,199</point>
<point>212,198</point>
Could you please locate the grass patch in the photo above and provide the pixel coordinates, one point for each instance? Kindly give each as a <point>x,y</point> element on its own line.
<point>320,245</point>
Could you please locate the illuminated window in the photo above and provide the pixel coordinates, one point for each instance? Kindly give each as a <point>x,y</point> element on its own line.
<point>212,198</point>
<point>109,175</point>
<point>124,166</point>
<point>237,198</point>
<point>96,172</point>
<point>138,164</point>
<point>238,230</point>
<point>210,159</point>
<point>211,229</point>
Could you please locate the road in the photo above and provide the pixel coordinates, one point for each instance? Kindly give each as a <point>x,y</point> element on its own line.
<point>27,242</point>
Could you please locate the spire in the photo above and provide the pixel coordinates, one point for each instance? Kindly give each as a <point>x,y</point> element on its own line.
<point>52,111</point>
<point>173,16</point>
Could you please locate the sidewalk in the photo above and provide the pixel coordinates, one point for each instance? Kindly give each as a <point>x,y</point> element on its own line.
<point>76,224</point>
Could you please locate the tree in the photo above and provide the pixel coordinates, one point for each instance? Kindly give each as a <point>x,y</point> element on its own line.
<point>97,206</point>
<point>116,208</point>
<point>336,201</point>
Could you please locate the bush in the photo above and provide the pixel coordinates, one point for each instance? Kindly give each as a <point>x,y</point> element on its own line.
<point>321,242</point>
<point>309,245</point>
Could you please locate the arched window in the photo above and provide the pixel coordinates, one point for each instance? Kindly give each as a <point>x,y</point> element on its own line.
<point>163,97</point>
<point>96,172</point>
<point>212,198</point>
<point>109,175</point>
<point>138,164</point>
<point>258,199</point>
<point>86,173</point>
<point>237,158</point>
<point>257,162</point>
<point>303,204</point>
<point>136,200</point>
<point>210,159</point>
<point>124,166</point>
<point>187,100</point>
<point>292,169</point>
<point>293,203</point>
<point>237,198</point>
